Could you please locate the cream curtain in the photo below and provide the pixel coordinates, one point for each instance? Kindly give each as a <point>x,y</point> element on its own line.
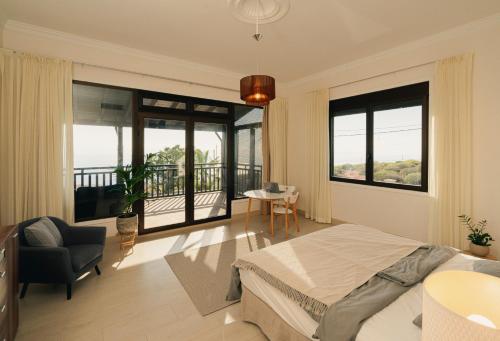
<point>451,150</point>
<point>36,168</point>
<point>319,204</point>
<point>277,123</point>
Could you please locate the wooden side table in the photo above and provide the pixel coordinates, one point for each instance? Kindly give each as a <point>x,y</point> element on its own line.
<point>490,256</point>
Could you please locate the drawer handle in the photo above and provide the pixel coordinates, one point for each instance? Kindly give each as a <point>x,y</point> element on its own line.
<point>2,254</point>
<point>14,235</point>
<point>3,308</point>
<point>2,274</point>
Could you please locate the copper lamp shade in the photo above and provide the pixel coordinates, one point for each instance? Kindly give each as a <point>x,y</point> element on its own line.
<point>257,89</point>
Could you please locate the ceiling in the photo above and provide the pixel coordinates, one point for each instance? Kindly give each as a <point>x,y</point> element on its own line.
<point>313,36</point>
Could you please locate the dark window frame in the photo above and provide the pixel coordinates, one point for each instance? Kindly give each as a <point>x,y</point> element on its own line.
<point>187,114</point>
<point>414,94</point>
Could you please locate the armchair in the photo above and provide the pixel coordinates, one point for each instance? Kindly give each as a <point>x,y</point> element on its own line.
<point>82,250</point>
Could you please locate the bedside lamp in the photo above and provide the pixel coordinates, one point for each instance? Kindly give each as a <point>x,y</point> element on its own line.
<point>461,305</point>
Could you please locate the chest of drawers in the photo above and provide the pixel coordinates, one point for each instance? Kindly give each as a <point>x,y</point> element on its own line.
<point>9,304</point>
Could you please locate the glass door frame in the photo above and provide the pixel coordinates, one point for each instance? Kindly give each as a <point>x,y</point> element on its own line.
<point>190,118</point>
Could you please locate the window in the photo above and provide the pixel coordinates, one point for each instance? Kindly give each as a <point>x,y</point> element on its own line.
<point>211,108</point>
<point>102,140</point>
<point>380,138</point>
<point>247,148</point>
<point>153,102</point>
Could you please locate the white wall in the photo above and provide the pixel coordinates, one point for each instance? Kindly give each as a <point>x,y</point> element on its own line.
<point>401,212</point>
<point>2,24</point>
<point>107,59</point>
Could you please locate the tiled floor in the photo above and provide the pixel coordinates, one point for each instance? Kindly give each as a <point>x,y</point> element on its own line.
<point>138,297</point>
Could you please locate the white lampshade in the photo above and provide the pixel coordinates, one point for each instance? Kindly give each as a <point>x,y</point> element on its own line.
<point>461,305</point>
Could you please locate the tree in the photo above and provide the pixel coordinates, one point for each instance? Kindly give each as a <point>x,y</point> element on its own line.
<point>204,177</point>
<point>203,158</point>
<point>169,156</point>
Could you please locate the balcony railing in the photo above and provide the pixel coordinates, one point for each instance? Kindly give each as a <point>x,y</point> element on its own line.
<point>168,180</point>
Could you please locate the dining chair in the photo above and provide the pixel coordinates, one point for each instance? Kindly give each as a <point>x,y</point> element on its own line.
<point>287,188</point>
<point>289,207</point>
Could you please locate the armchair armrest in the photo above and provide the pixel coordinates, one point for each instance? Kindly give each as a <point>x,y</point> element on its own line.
<point>86,235</point>
<point>45,265</point>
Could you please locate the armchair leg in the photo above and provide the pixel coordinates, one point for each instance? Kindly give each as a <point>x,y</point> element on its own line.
<point>69,287</point>
<point>97,270</point>
<point>24,289</point>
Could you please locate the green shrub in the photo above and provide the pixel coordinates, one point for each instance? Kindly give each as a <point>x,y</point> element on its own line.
<point>384,175</point>
<point>413,179</point>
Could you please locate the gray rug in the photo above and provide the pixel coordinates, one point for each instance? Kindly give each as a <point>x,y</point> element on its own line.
<point>205,272</point>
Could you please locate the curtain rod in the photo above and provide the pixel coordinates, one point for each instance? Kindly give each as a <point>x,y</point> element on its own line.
<point>155,76</point>
<point>382,74</point>
<point>137,73</point>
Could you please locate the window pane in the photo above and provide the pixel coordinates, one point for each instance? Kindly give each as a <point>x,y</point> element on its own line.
<point>165,187</point>
<point>152,102</point>
<point>397,145</point>
<point>349,146</point>
<point>248,149</point>
<point>210,108</point>
<point>102,140</point>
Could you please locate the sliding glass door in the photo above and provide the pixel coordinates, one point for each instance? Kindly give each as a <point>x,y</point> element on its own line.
<point>210,170</point>
<point>166,186</point>
<point>189,178</point>
<point>206,153</point>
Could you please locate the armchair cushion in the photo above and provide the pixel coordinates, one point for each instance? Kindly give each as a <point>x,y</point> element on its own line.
<point>83,254</point>
<point>77,235</point>
<point>43,233</point>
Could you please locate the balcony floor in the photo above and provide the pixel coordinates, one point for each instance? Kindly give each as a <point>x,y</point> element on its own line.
<point>171,210</point>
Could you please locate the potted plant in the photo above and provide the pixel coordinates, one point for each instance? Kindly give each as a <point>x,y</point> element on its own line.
<point>479,238</point>
<point>131,177</point>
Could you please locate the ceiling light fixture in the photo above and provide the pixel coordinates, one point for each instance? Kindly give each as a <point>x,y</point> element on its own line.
<point>257,89</point>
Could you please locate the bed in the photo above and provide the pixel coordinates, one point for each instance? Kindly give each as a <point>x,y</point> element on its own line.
<point>282,318</point>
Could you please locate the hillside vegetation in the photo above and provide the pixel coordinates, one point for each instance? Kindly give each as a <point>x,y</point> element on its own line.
<point>406,172</point>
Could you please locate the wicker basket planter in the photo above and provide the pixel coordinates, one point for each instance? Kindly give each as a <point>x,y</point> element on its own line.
<point>127,224</point>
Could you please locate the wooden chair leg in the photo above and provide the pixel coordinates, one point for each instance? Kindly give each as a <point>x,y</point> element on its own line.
<point>286,220</point>
<point>272,219</point>
<point>69,287</point>
<point>24,289</point>
<point>97,270</point>
<point>296,218</point>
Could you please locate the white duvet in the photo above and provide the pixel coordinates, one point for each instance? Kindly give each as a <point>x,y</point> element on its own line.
<point>399,315</point>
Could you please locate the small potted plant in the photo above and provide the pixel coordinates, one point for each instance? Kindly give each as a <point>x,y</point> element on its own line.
<point>131,177</point>
<point>479,238</point>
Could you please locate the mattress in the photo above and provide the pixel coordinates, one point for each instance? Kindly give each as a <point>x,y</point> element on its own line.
<point>399,314</point>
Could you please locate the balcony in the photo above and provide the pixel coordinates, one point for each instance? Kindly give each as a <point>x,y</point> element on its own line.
<point>98,193</point>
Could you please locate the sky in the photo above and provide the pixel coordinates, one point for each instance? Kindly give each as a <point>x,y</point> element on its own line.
<point>96,146</point>
<point>397,136</point>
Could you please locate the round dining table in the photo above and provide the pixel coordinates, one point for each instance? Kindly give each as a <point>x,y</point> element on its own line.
<point>263,195</point>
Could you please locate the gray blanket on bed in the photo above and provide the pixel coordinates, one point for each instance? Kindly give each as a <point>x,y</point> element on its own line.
<point>343,320</point>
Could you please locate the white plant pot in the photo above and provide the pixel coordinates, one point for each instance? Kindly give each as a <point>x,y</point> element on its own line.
<point>127,225</point>
<point>479,250</point>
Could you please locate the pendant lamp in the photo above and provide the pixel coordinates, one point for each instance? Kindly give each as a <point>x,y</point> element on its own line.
<point>257,89</point>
